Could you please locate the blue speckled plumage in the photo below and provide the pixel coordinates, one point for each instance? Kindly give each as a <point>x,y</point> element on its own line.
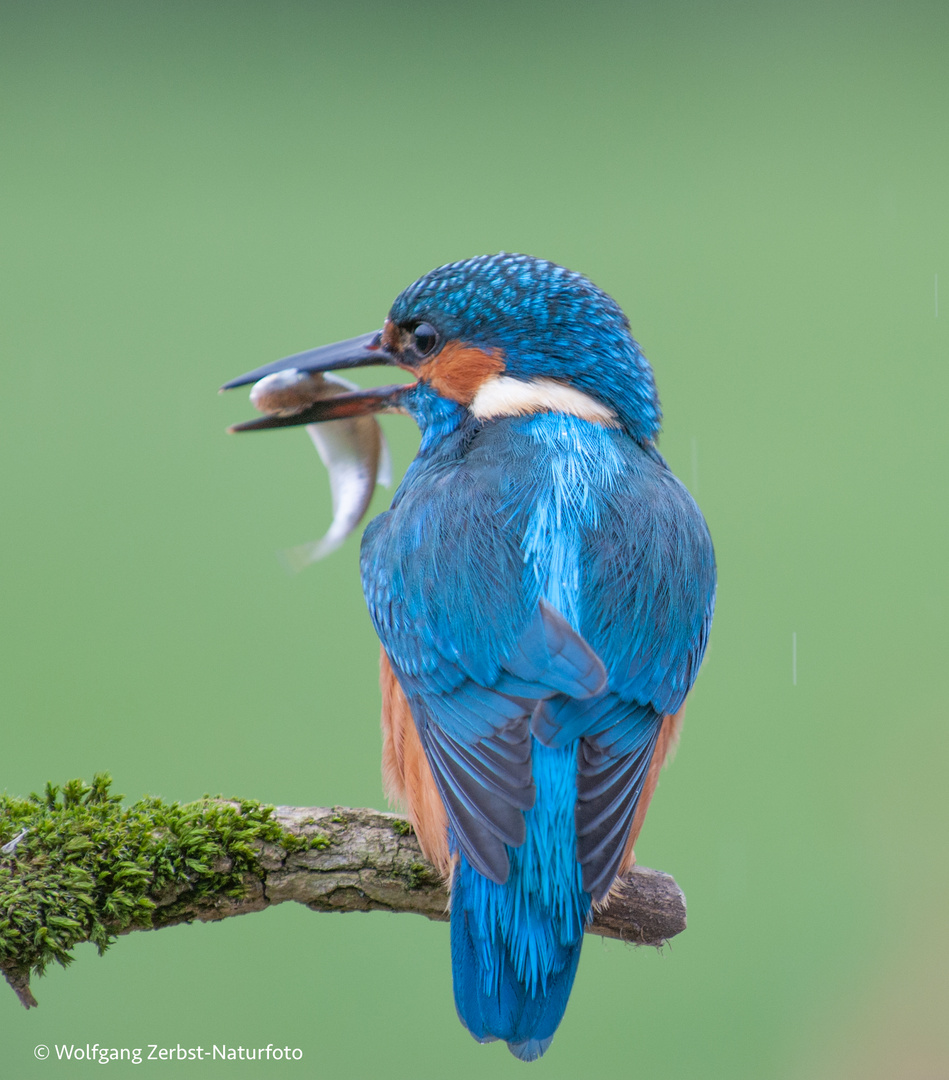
<point>543,588</point>
<point>548,321</point>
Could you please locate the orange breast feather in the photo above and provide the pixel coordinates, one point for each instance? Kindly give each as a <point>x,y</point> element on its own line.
<point>406,775</point>
<point>668,737</point>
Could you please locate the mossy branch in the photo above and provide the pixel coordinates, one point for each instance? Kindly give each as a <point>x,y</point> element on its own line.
<point>88,869</point>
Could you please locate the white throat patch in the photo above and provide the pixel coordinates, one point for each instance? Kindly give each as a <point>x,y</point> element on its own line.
<point>503,396</point>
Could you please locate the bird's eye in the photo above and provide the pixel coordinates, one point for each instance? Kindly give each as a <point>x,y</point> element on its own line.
<point>424,338</point>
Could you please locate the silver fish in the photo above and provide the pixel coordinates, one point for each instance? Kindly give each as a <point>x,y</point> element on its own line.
<point>354,452</point>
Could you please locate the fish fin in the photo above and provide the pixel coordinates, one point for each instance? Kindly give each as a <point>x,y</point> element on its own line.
<point>384,472</point>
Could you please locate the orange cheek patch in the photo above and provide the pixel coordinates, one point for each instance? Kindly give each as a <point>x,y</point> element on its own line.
<point>458,371</point>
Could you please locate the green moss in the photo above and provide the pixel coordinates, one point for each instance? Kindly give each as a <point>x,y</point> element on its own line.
<point>89,868</point>
<point>419,875</point>
<point>403,828</point>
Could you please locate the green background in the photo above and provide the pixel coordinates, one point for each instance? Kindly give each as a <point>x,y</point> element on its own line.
<point>190,190</point>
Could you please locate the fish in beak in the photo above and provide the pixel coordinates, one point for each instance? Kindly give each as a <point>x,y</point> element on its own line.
<point>340,420</point>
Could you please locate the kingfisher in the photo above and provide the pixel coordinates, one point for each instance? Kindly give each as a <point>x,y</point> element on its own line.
<point>543,588</point>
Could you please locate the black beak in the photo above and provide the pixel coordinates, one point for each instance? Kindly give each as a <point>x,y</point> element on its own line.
<point>362,351</point>
<point>311,400</point>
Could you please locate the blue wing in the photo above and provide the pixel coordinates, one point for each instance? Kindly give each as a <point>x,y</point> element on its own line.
<point>519,568</point>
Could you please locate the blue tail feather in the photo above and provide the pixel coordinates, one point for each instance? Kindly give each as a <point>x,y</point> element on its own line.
<point>530,1050</point>
<point>515,946</point>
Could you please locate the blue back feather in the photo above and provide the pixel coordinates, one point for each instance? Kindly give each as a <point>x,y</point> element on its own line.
<point>522,563</point>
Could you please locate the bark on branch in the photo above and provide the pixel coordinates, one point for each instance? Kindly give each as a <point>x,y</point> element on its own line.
<point>328,858</point>
<point>373,863</point>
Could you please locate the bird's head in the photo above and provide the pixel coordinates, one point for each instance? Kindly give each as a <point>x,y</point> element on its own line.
<point>499,335</point>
